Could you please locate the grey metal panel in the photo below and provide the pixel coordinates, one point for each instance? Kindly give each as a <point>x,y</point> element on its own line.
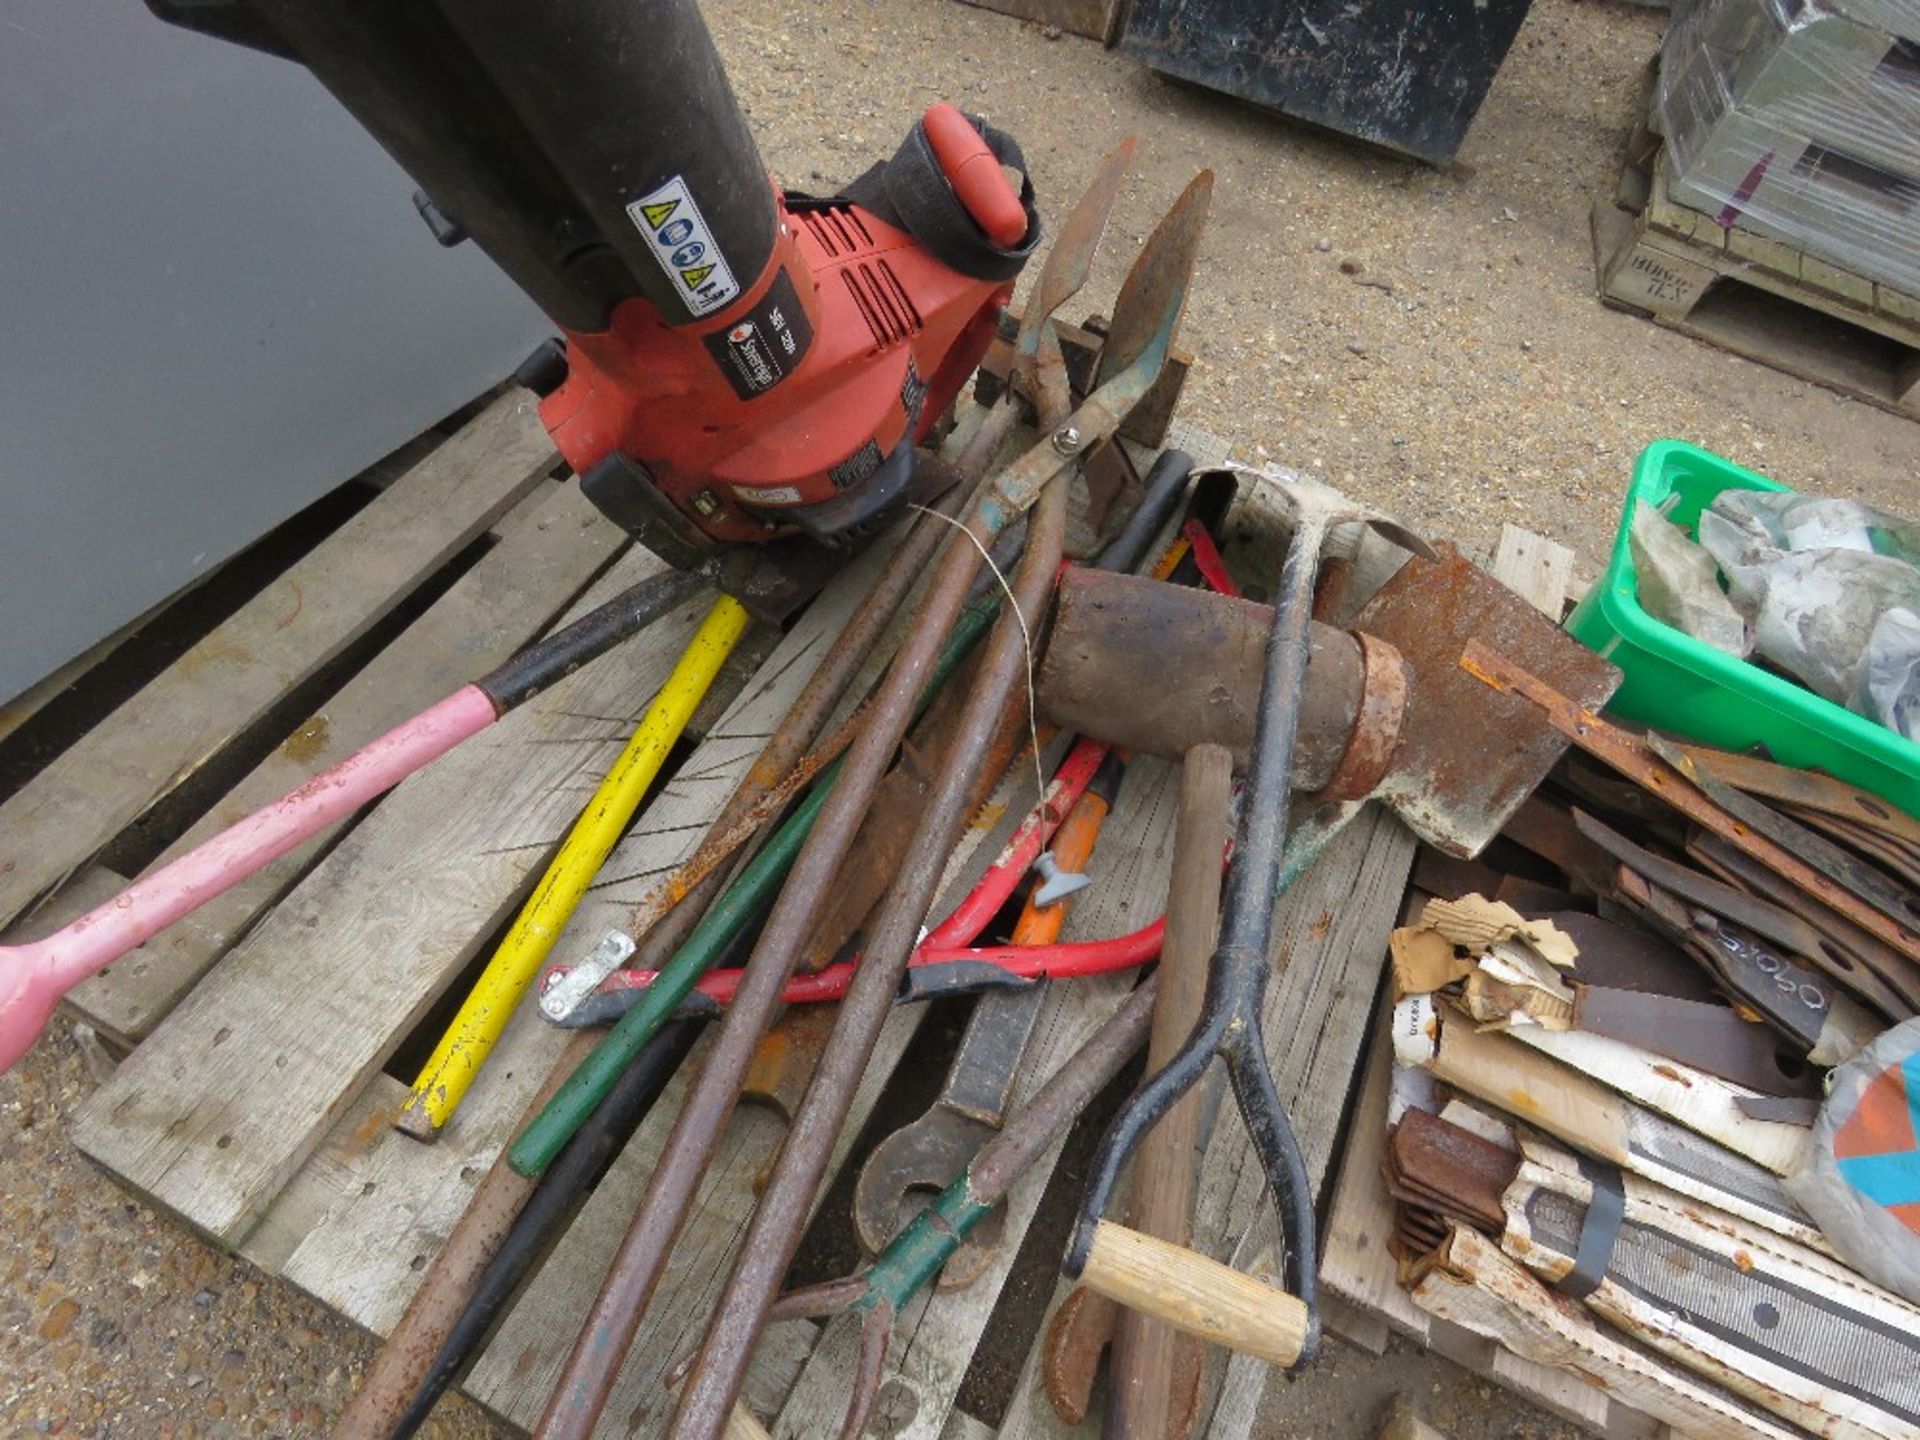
<point>216,303</point>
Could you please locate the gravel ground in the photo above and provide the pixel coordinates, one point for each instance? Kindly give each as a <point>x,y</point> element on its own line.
<point>1428,340</point>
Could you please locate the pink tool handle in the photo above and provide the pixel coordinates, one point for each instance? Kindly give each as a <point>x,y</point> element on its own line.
<point>33,977</point>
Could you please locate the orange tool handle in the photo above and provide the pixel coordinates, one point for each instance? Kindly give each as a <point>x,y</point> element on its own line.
<point>975,175</point>
<point>1072,845</point>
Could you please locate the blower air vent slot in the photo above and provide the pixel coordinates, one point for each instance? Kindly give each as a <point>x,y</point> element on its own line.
<point>836,229</point>
<point>883,302</point>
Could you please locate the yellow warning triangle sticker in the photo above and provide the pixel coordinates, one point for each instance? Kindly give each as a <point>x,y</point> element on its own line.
<point>657,214</point>
<point>694,276</point>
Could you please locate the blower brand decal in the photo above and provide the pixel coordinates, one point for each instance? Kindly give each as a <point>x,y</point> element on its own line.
<point>766,344</point>
<point>684,247</point>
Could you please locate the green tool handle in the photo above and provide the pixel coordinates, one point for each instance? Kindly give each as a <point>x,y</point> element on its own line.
<point>914,1256</point>
<point>549,1132</point>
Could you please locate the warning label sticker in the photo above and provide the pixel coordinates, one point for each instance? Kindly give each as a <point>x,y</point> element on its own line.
<point>685,248</point>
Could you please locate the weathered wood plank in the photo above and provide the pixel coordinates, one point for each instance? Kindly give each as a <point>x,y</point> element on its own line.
<point>1354,1263</point>
<point>935,1339</point>
<point>1334,942</point>
<point>1539,570</point>
<point>553,544</point>
<point>215,1112</point>
<point>334,1174</point>
<point>359,1258</point>
<point>325,601</point>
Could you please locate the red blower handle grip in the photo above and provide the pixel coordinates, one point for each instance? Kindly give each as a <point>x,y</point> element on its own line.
<point>975,175</point>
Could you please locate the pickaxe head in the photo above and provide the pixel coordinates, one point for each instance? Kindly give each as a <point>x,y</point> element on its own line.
<point>1315,507</point>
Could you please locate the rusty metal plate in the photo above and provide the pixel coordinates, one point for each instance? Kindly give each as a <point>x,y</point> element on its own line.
<point>1439,1166</point>
<point>1469,755</point>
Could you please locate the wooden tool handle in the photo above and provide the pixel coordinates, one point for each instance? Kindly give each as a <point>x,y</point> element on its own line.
<point>741,1425</point>
<point>1193,1293</point>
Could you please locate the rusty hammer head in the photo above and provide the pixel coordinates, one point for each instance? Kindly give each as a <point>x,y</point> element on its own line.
<point>1159,668</point>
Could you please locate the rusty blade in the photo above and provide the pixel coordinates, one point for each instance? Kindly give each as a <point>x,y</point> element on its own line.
<point>1633,757</point>
<point>1469,756</point>
<point>1859,879</point>
<point>1147,312</point>
<point>1070,260</point>
<point>1784,785</point>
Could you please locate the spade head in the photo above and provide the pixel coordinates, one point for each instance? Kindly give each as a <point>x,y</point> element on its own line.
<point>1469,755</point>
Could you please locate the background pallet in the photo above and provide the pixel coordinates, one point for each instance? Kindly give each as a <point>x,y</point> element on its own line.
<point>1753,295</point>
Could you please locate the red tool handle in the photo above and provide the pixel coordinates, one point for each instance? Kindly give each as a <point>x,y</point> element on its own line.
<point>975,175</point>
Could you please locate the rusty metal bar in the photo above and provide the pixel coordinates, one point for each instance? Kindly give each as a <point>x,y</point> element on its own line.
<point>774,1233</point>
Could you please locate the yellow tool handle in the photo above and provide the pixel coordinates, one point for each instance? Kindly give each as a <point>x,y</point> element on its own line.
<point>1195,1293</point>
<point>464,1048</point>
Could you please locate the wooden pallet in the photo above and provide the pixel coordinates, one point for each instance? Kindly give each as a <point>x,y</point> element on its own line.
<point>1365,1299</point>
<point>1753,295</point>
<point>255,1104</point>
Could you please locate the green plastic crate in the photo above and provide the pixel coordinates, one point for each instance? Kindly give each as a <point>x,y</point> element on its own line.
<point>1676,683</point>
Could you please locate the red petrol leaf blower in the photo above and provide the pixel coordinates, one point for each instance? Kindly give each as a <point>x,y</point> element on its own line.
<point>740,365</point>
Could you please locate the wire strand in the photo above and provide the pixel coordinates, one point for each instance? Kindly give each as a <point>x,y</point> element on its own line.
<point>1026,641</point>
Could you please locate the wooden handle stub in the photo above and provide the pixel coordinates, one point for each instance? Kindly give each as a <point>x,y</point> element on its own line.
<point>1193,1293</point>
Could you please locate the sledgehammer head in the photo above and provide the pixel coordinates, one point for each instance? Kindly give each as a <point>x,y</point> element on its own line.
<point>1159,667</point>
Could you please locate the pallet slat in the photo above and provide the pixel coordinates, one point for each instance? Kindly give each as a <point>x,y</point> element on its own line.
<point>318,607</point>
<point>217,1110</point>
<point>550,547</point>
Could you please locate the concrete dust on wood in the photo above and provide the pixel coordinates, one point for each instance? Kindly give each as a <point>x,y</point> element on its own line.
<point>1427,340</point>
